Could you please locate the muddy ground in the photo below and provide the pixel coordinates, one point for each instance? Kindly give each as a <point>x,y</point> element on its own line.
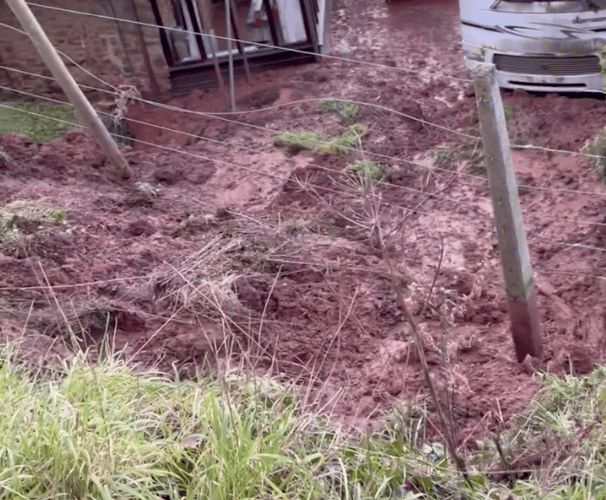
<point>225,246</point>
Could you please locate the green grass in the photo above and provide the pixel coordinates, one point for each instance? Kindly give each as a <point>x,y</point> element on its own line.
<point>345,109</point>
<point>21,119</point>
<point>561,441</point>
<point>595,152</point>
<point>509,111</point>
<point>106,432</point>
<point>442,156</point>
<point>101,432</point>
<point>311,140</point>
<point>18,213</point>
<point>367,170</point>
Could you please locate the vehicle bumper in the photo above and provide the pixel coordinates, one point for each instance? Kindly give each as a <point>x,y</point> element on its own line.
<point>590,82</point>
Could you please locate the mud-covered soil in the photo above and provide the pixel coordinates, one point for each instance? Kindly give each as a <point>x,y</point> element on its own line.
<point>226,249</point>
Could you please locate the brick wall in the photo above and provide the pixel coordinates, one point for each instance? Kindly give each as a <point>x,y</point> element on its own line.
<point>93,43</point>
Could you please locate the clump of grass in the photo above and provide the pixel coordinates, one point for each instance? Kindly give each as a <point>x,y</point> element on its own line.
<point>367,170</point>
<point>558,445</point>
<point>204,282</point>
<point>595,151</point>
<point>442,156</point>
<point>8,228</point>
<point>345,109</point>
<point>104,431</point>
<point>296,141</point>
<point>22,118</point>
<point>509,112</point>
<point>26,213</point>
<point>344,143</point>
<point>57,215</point>
<point>311,140</point>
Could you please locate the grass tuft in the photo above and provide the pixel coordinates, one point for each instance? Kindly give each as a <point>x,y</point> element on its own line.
<point>345,109</point>
<point>367,170</point>
<point>595,151</point>
<point>296,141</point>
<point>29,215</point>
<point>37,128</point>
<point>442,156</point>
<point>104,431</point>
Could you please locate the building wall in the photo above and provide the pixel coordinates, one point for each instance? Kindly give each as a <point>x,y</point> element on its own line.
<point>94,45</point>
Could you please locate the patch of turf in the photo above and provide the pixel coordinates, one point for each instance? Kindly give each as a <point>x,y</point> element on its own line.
<point>41,122</point>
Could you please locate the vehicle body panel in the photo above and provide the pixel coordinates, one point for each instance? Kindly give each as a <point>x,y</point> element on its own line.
<point>539,45</point>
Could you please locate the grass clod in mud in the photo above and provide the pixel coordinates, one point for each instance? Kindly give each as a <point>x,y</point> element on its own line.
<point>296,141</point>
<point>595,152</point>
<point>26,216</point>
<point>442,156</point>
<point>344,109</point>
<point>367,170</point>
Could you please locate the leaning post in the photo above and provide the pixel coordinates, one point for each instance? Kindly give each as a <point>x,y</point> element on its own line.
<point>513,247</point>
<point>84,111</point>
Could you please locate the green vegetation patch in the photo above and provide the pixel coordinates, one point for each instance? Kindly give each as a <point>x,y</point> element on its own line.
<point>558,447</point>
<point>23,119</point>
<point>509,111</point>
<point>26,215</point>
<point>442,156</point>
<point>311,140</point>
<point>344,109</point>
<point>104,431</point>
<point>595,151</point>
<point>367,170</point>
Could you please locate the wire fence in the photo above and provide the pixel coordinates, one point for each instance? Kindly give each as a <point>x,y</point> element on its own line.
<point>363,150</point>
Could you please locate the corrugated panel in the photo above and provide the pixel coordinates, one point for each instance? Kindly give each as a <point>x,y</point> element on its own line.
<point>532,65</point>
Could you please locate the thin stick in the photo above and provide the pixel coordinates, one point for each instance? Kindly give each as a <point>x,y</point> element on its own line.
<point>209,33</point>
<point>450,440</point>
<point>435,277</point>
<point>239,41</point>
<point>230,56</point>
<point>153,82</point>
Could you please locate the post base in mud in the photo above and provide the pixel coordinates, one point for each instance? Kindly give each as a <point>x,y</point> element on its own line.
<point>525,327</point>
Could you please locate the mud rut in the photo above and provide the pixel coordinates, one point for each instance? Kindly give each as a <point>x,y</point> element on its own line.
<point>245,251</point>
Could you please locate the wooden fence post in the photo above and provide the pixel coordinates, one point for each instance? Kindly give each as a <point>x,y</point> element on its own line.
<point>84,111</point>
<point>515,258</point>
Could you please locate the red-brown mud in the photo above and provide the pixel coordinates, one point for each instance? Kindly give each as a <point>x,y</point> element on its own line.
<point>225,245</point>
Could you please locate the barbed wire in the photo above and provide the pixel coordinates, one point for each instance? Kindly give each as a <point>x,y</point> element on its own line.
<point>430,195</point>
<point>590,273</point>
<point>332,171</point>
<point>355,61</point>
<point>376,106</point>
<point>362,151</point>
<point>246,148</point>
<point>319,188</point>
<point>383,108</point>
<point>221,161</point>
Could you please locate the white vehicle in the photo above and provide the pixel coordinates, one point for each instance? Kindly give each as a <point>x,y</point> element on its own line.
<point>538,45</point>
